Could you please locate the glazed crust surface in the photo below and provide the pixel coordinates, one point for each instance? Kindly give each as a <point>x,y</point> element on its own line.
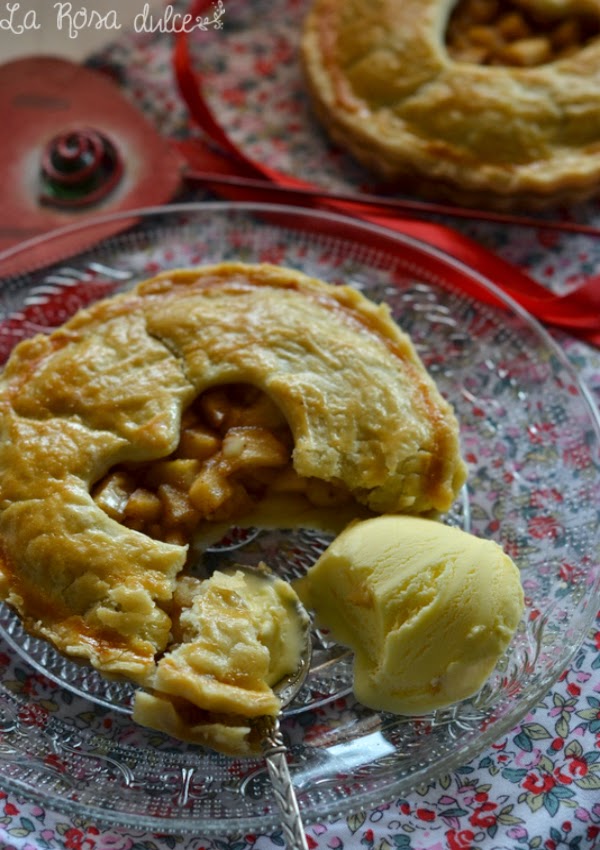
<point>386,89</point>
<point>110,386</point>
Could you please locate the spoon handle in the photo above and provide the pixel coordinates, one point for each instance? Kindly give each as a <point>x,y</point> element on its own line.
<point>274,751</point>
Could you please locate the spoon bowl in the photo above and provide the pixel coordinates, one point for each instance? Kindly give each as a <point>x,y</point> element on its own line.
<point>273,745</point>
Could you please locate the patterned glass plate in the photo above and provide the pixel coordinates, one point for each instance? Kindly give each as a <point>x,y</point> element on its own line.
<point>531,438</point>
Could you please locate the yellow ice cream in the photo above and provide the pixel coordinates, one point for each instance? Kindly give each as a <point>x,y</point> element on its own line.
<point>428,609</point>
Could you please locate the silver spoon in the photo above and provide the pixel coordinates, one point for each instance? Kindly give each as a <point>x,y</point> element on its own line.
<point>273,746</point>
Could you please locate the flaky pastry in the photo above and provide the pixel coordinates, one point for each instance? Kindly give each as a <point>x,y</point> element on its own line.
<point>237,636</point>
<point>488,102</point>
<point>229,394</point>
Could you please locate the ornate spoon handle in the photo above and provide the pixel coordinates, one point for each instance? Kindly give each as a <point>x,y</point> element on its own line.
<point>274,751</point>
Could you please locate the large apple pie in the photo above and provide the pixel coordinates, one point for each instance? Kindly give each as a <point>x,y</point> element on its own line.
<point>148,423</point>
<point>489,102</point>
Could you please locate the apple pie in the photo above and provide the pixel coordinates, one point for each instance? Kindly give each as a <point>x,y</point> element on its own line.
<point>488,102</point>
<point>247,395</point>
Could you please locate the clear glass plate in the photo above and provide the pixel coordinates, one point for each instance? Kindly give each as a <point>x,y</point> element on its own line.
<point>531,438</point>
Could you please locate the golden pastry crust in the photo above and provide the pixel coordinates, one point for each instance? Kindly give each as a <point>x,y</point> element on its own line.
<point>387,90</point>
<point>240,635</point>
<point>110,387</point>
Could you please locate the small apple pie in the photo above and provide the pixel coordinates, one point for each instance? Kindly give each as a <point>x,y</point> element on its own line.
<point>489,102</point>
<point>149,423</point>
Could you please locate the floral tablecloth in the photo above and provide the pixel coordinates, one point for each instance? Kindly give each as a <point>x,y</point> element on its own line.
<point>537,787</point>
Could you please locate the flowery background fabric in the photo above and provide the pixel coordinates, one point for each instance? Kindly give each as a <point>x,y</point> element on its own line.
<point>537,788</point>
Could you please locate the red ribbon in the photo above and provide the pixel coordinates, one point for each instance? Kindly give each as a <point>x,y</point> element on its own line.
<point>577,311</point>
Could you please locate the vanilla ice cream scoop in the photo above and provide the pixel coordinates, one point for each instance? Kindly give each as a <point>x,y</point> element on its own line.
<point>427,608</point>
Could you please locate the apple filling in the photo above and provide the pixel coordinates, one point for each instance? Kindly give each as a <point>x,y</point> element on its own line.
<point>498,32</point>
<point>235,449</point>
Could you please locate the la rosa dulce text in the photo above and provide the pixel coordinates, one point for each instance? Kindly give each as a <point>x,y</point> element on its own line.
<point>72,19</point>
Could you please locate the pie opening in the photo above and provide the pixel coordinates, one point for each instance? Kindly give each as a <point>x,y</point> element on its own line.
<point>501,32</point>
<point>235,449</point>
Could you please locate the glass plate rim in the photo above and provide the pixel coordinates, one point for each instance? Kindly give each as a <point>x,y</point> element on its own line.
<point>138,214</point>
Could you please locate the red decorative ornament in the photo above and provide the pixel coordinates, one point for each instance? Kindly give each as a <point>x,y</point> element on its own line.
<point>72,146</point>
<point>79,167</point>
